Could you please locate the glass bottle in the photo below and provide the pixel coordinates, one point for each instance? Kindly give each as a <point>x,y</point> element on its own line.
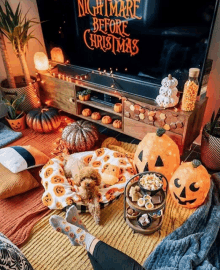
<point>190,90</point>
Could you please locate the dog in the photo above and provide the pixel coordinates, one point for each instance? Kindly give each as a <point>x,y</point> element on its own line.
<point>89,180</point>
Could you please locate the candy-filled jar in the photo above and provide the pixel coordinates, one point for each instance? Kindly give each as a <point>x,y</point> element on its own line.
<point>190,90</point>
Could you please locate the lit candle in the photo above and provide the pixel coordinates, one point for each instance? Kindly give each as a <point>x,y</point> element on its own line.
<point>63,77</point>
<point>59,75</point>
<point>70,79</point>
<point>53,74</point>
<point>67,78</point>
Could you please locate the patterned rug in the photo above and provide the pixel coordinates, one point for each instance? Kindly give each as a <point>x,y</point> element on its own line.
<point>48,250</point>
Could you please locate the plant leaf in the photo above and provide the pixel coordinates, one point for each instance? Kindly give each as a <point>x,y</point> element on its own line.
<point>18,101</point>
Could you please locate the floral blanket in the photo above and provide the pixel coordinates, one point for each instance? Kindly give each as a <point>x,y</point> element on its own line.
<point>114,167</point>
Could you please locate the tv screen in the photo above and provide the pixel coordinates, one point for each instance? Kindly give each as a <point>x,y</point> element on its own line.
<point>140,39</point>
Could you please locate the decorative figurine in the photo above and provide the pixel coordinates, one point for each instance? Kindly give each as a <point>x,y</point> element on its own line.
<point>168,93</point>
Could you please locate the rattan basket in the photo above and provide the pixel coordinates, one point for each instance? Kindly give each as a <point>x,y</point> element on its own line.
<point>30,92</point>
<point>210,150</point>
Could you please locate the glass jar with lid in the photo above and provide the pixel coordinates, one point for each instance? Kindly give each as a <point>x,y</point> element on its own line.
<point>190,90</point>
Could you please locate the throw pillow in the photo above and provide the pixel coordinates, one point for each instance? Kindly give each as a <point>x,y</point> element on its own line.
<point>11,257</point>
<point>20,158</point>
<point>12,184</point>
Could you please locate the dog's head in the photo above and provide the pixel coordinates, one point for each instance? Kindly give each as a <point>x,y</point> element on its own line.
<point>89,177</point>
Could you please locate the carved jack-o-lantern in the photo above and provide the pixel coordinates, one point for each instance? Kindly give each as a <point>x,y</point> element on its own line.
<point>157,152</point>
<point>190,184</point>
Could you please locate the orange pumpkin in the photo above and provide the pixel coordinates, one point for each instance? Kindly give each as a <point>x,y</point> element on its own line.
<point>86,112</point>
<point>118,107</point>
<point>117,124</point>
<point>190,184</point>
<point>43,120</point>
<point>157,152</point>
<point>106,119</point>
<point>96,116</point>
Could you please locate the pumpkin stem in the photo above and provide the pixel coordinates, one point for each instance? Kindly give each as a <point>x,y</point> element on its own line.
<point>160,132</point>
<point>170,77</point>
<point>196,163</point>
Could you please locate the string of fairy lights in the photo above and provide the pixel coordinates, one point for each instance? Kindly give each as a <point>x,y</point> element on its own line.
<point>85,77</point>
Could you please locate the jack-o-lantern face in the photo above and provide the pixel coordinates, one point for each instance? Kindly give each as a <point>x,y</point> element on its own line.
<point>157,152</point>
<point>16,126</point>
<point>190,184</point>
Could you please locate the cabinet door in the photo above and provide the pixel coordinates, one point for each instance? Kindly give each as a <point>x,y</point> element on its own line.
<point>58,93</point>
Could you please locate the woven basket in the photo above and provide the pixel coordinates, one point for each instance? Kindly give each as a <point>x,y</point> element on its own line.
<point>30,92</point>
<point>210,150</point>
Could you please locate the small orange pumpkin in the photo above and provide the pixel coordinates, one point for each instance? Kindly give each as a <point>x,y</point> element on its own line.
<point>96,116</point>
<point>106,119</point>
<point>157,152</point>
<point>86,112</point>
<point>190,184</point>
<point>117,124</point>
<point>118,107</point>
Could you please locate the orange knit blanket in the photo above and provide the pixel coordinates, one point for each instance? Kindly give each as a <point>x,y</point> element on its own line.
<point>20,213</point>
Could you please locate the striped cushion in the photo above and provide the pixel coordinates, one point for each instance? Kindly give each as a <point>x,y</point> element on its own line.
<point>20,158</point>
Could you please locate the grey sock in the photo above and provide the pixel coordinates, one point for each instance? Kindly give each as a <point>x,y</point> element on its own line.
<point>76,235</point>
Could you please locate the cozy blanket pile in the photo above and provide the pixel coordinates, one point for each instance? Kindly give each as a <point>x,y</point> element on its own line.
<point>196,244</point>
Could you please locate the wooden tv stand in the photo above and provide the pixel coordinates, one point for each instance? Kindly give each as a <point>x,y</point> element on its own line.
<point>139,115</point>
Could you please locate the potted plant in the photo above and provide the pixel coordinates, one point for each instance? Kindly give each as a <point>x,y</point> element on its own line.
<point>210,145</point>
<point>15,118</point>
<point>16,28</point>
<point>84,95</point>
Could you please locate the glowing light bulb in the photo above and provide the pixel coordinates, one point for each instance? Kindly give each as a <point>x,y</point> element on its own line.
<point>99,69</point>
<point>126,69</point>
<point>42,82</point>
<point>116,69</point>
<point>112,86</point>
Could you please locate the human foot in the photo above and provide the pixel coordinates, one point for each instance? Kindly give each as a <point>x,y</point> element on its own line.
<point>73,217</point>
<point>77,235</point>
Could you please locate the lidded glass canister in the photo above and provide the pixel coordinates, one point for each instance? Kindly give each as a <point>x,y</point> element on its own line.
<point>190,90</point>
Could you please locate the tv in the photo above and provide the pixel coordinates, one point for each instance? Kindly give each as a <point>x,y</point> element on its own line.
<point>139,41</point>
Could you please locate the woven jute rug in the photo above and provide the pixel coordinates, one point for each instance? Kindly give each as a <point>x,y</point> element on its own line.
<point>49,250</point>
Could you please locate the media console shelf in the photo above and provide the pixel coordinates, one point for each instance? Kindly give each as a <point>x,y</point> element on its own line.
<point>139,115</point>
